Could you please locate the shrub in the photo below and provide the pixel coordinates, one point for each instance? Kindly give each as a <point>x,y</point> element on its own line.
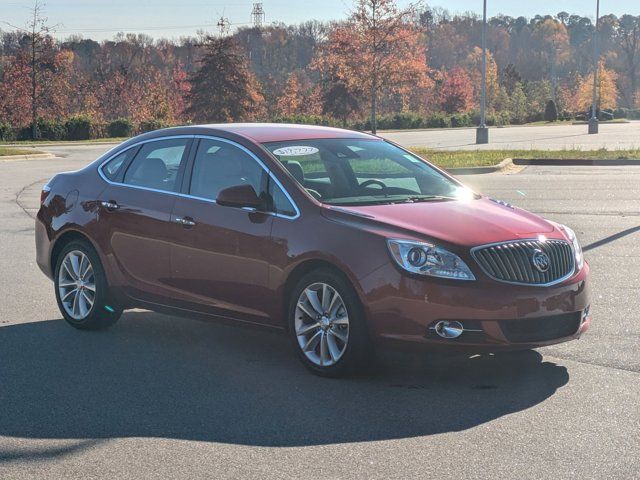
<point>307,119</point>
<point>151,125</point>
<point>565,115</point>
<point>438,120</point>
<point>461,120</point>
<point>79,127</point>
<point>620,113</point>
<point>633,114</point>
<point>51,130</point>
<point>551,111</point>
<point>605,115</point>
<point>122,127</point>
<point>7,133</point>
<point>406,120</point>
<point>535,117</point>
<point>24,133</point>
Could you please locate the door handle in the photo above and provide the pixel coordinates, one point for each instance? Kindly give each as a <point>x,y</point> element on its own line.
<point>110,205</point>
<point>185,221</point>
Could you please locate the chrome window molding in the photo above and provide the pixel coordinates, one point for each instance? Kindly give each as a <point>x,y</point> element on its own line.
<point>185,195</point>
<point>571,273</point>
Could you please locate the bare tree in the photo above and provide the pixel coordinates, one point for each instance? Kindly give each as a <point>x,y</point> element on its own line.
<point>37,31</point>
<point>36,36</point>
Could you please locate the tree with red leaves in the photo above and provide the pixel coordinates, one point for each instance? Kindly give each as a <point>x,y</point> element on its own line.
<point>456,93</point>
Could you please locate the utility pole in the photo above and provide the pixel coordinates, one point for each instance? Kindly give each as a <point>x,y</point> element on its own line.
<point>257,15</point>
<point>482,132</point>
<point>593,121</point>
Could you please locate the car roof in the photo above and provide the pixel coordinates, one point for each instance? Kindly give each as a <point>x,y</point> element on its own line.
<point>258,132</point>
<point>276,132</point>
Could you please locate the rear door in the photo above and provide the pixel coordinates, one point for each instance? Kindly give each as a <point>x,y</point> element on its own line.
<point>135,217</point>
<point>221,258</point>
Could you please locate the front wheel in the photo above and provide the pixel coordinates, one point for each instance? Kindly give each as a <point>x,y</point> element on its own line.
<point>327,325</point>
<point>81,288</point>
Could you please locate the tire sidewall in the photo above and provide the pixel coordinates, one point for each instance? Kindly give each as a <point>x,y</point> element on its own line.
<point>99,316</point>
<point>358,345</point>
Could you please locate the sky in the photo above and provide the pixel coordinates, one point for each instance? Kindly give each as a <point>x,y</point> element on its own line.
<point>101,20</point>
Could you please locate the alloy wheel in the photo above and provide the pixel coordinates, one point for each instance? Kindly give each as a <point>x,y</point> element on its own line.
<point>76,285</point>
<point>322,324</point>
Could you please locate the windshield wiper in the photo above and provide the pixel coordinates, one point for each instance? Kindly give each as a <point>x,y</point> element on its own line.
<point>425,198</point>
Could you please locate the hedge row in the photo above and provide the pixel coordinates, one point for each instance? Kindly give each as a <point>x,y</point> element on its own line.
<point>81,127</point>
<point>78,127</point>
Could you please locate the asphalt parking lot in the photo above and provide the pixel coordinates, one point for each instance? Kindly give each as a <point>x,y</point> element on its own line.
<point>612,136</point>
<point>159,396</point>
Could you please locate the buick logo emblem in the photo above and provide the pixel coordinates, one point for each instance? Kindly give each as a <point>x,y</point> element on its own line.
<point>540,260</point>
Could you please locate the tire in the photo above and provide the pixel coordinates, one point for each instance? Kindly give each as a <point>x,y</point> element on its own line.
<point>347,347</point>
<point>85,309</point>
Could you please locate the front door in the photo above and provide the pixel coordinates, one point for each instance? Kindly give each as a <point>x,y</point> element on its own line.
<point>220,258</point>
<point>135,218</point>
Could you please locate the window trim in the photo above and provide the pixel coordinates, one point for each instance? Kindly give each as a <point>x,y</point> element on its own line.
<point>188,164</point>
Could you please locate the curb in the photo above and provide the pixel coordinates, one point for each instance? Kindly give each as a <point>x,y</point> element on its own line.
<point>506,163</point>
<point>35,156</point>
<point>575,162</point>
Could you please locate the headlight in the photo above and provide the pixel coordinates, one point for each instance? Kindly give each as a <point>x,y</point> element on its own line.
<point>426,259</point>
<point>577,249</point>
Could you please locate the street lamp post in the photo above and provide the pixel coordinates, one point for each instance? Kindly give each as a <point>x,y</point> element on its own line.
<point>593,121</point>
<point>482,132</point>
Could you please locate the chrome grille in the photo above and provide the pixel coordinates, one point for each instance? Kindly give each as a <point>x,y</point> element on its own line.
<point>512,262</point>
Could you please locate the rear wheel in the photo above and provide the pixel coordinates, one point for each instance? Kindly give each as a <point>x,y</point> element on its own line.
<point>327,325</point>
<point>81,288</point>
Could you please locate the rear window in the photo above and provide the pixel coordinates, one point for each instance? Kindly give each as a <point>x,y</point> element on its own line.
<point>157,164</point>
<point>113,166</point>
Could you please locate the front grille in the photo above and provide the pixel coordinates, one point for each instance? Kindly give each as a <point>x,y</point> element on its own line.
<point>541,329</point>
<point>513,262</point>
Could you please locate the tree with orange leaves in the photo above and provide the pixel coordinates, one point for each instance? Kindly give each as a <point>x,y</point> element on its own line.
<point>299,97</point>
<point>377,50</point>
<point>473,66</point>
<point>607,90</point>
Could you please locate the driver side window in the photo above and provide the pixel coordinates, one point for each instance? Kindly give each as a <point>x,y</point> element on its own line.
<point>219,165</point>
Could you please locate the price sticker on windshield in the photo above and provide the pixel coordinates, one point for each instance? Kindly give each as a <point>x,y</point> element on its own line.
<point>295,151</point>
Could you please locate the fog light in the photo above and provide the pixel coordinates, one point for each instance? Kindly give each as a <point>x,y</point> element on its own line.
<point>449,329</point>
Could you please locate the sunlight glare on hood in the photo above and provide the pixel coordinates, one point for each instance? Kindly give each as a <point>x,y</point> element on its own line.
<point>464,194</point>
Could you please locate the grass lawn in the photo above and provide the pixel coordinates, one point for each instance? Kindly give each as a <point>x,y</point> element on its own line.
<point>482,158</point>
<point>5,151</point>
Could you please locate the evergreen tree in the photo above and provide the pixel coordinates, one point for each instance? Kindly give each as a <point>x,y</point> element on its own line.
<point>223,87</point>
<point>551,111</point>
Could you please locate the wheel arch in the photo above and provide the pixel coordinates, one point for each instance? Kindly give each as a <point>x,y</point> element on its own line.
<point>64,239</point>
<point>305,267</point>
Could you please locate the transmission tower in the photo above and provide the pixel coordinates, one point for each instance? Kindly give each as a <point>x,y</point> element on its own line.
<point>224,26</point>
<point>257,15</point>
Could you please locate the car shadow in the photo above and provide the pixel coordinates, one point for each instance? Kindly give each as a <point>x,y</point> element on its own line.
<point>159,376</point>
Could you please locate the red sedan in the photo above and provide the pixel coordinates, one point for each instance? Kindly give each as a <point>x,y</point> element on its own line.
<point>344,240</point>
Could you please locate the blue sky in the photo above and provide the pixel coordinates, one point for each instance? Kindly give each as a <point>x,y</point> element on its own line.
<point>172,19</point>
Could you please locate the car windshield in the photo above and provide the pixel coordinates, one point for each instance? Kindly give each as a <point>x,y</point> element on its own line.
<point>363,172</point>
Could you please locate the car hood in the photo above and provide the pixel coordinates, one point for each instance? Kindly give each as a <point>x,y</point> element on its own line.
<point>466,223</point>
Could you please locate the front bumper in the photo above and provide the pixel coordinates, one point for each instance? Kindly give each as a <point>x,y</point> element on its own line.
<point>404,310</point>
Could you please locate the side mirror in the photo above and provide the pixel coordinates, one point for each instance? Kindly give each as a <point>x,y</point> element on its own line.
<point>241,196</point>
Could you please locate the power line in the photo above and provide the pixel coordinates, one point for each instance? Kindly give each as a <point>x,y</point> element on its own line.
<point>137,29</point>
